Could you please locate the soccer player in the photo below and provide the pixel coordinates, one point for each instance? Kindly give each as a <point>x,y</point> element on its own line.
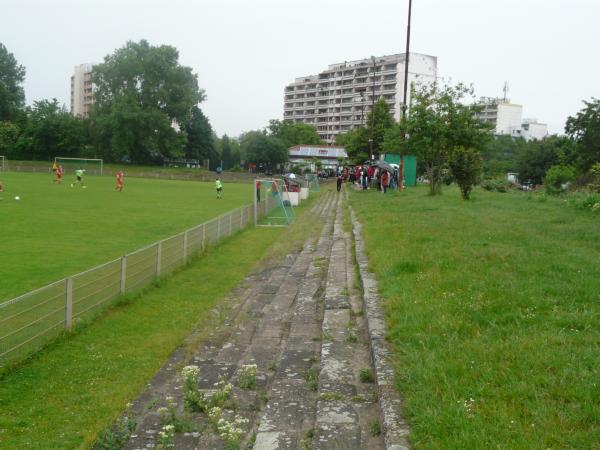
<point>120,176</point>
<point>219,187</point>
<point>79,174</point>
<point>59,174</point>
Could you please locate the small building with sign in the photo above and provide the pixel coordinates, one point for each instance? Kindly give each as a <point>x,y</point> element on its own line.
<point>307,154</point>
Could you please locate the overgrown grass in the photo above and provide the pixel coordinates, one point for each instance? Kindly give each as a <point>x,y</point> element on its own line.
<point>55,230</point>
<point>493,309</point>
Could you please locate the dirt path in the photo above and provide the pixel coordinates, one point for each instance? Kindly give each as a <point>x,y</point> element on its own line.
<point>304,328</point>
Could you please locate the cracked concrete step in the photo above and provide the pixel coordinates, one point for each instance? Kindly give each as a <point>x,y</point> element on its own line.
<point>346,407</point>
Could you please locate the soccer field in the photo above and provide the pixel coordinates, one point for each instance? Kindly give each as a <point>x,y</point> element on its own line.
<point>54,230</point>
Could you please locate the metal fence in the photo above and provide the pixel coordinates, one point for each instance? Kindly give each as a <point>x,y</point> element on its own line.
<point>32,320</point>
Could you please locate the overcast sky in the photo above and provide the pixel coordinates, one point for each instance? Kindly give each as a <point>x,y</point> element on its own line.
<point>246,51</point>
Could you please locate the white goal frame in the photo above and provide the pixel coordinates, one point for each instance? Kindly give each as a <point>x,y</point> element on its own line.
<point>2,162</point>
<point>62,158</point>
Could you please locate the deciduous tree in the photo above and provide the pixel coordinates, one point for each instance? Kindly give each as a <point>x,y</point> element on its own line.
<point>584,128</point>
<point>143,98</point>
<point>12,95</point>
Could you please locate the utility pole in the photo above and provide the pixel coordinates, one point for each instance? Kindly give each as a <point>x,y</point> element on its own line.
<point>404,104</point>
<point>372,109</point>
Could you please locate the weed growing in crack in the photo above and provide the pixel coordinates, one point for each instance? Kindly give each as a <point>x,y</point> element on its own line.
<point>232,431</point>
<point>247,377</point>
<point>115,437</point>
<point>193,399</point>
<point>351,338</point>
<point>375,428</point>
<point>327,336</point>
<point>366,375</point>
<point>358,399</point>
<point>312,378</point>
<point>222,396</point>
<point>166,438</point>
<point>330,396</point>
<point>272,366</point>
<point>307,439</point>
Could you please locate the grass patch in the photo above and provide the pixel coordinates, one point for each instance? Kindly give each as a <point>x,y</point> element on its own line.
<point>366,375</point>
<point>312,378</point>
<point>330,396</point>
<point>493,310</point>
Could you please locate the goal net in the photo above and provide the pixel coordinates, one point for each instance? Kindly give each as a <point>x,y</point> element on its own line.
<point>272,204</point>
<point>313,183</point>
<point>92,166</point>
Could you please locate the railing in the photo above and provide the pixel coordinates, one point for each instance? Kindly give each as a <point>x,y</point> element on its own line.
<point>32,320</point>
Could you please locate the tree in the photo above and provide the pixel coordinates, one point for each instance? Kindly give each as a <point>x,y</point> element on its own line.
<point>501,155</point>
<point>379,121</point>
<point>262,149</point>
<point>465,166</point>
<point>584,128</point>
<point>556,177</point>
<point>200,137</point>
<point>356,144</point>
<point>51,131</point>
<point>291,133</point>
<point>142,98</point>
<point>9,132</point>
<point>539,156</point>
<point>12,95</point>
<point>226,156</point>
<point>438,123</point>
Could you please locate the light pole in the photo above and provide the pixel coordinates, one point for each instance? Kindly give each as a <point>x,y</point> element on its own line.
<point>404,104</point>
<point>372,107</point>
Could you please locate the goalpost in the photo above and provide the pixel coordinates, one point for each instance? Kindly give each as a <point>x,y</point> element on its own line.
<point>272,206</point>
<point>93,166</point>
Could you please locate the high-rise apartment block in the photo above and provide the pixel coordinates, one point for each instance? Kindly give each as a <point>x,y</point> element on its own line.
<point>82,90</point>
<point>339,98</point>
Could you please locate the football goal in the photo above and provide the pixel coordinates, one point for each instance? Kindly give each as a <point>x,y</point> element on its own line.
<point>272,206</point>
<point>92,166</point>
<point>313,182</point>
<point>3,162</point>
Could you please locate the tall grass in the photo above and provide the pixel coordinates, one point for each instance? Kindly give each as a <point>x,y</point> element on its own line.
<point>493,308</point>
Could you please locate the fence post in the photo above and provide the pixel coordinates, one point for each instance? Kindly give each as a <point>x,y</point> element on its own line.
<point>123,273</point>
<point>158,257</point>
<point>68,303</point>
<point>185,245</point>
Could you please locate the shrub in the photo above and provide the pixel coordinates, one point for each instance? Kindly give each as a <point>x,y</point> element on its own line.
<point>465,165</point>
<point>557,177</point>
<point>497,185</point>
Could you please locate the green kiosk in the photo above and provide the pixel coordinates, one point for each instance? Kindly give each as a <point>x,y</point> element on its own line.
<point>410,166</point>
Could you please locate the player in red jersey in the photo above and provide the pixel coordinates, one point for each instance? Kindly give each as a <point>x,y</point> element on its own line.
<point>120,176</point>
<point>59,174</point>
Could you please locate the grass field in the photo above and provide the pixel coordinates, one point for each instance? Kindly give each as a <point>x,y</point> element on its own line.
<point>493,309</point>
<point>56,230</point>
<point>77,387</point>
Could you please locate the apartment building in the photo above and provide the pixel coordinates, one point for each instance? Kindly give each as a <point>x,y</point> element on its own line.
<point>506,118</point>
<point>82,89</point>
<point>339,98</point>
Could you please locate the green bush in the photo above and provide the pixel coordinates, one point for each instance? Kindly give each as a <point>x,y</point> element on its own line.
<point>557,177</point>
<point>497,185</point>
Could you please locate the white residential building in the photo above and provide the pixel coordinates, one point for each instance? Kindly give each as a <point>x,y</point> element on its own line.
<point>532,129</point>
<point>503,115</point>
<point>82,90</point>
<point>339,98</point>
<point>506,117</point>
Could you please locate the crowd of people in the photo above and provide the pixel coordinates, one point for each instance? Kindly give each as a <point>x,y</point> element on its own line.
<point>368,177</point>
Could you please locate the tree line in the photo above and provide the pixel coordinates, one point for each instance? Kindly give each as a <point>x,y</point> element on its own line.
<point>147,109</point>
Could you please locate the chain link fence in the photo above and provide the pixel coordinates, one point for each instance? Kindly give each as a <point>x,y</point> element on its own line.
<point>32,320</point>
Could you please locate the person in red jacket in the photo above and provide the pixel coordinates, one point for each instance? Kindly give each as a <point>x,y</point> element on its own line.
<point>385,181</point>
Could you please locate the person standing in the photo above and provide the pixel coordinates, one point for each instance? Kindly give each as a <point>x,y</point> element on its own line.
<point>120,176</point>
<point>258,188</point>
<point>385,179</point>
<point>219,187</point>
<point>339,182</point>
